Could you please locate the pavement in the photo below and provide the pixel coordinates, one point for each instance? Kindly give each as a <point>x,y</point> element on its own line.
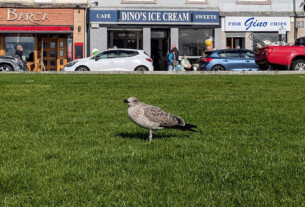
<point>271,72</point>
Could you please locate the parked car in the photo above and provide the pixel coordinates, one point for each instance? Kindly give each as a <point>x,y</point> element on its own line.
<point>228,59</point>
<point>291,57</point>
<point>11,64</point>
<point>113,60</point>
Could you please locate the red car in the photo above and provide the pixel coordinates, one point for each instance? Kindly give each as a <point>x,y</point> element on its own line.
<point>291,57</point>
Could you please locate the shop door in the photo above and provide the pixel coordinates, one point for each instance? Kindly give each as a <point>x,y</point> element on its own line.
<point>53,50</point>
<point>159,48</point>
<point>61,53</point>
<point>235,42</point>
<point>49,54</point>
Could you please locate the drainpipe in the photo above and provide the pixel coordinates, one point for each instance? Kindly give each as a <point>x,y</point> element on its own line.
<point>295,21</point>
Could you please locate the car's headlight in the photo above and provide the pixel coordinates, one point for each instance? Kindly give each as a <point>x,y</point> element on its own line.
<point>70,64</point>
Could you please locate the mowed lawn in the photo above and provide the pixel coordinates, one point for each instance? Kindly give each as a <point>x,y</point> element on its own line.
<point>66,140</point>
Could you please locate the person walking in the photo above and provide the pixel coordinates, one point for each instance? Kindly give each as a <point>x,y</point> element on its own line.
<point>171,61</point>
<point>176,52</point>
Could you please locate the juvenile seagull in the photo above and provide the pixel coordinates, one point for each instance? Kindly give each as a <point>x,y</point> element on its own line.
<point>153,118</point>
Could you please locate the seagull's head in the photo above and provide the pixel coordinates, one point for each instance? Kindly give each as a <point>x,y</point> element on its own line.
<point>132,101</point>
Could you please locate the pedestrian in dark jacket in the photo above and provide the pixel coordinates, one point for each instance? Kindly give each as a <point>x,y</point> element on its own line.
<point>19,52</point>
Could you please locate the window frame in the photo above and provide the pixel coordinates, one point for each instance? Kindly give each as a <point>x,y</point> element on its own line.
<point>265,2</point>
<point>138,2</point>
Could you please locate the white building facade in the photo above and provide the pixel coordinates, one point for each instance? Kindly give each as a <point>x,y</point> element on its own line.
<point>154,25</point>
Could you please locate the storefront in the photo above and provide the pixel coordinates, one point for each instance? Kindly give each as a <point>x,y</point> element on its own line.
<point>49,37</point>
<point>153,31</point>
<point>240,30</point>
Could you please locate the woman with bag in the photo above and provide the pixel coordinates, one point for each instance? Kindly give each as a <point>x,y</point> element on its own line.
<point>172,62</point>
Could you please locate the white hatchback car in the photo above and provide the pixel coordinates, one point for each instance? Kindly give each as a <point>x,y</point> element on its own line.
<point>113,60</point>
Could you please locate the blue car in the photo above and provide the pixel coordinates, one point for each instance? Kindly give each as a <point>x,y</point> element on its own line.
<point>228,59</point>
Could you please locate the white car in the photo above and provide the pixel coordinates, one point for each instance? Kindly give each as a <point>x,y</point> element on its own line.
<point>113,60</point>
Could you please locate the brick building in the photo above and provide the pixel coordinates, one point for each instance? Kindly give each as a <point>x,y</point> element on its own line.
<point>51,32</point>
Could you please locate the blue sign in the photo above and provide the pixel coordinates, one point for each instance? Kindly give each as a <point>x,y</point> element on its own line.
<point>106,16</point>
<point>206,17</point>
<point>154,16</point>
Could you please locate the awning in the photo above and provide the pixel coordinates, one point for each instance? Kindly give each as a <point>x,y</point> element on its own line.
<point>36,29</point>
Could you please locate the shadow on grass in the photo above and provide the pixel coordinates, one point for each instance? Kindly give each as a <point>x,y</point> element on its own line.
<point>144,135</point>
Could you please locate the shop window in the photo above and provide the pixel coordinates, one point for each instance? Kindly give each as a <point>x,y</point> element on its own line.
<point>131,39</point>
<point>139,1</point>
<point>192,41</point>
<point>26,40</point>
<point>253,1</point>
<point>196,1</point>
<point>52,45</point>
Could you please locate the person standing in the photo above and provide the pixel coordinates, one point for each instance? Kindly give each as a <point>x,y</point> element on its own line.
<point>171,61</point>
<point>176,52</point>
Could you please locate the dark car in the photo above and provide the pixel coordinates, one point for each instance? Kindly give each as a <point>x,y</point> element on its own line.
<point>228,59</point>
<point>11,64</point>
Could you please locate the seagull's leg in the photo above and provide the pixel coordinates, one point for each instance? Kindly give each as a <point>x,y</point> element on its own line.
<point>150,135</point>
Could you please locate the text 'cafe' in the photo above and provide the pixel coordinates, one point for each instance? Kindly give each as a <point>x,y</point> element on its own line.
<point>152,30</point>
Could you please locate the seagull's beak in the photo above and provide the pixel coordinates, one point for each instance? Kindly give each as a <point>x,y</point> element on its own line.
<point>125,101</point>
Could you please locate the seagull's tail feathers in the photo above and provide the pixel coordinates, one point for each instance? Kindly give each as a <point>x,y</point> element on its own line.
<point>186,127</point>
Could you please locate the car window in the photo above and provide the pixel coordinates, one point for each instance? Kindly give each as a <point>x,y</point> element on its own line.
<point>300,42</point>
<point>108,54</point>
<point>127,53</point>
<point>247,54</point>
<point>222,54</point>
<point>232,54</point>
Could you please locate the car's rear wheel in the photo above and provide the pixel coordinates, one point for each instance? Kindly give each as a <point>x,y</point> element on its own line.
<point>298,65</point>
<point>141,68</point>
<point>82,68</point>
<point>218,68</point>
<point>5,68</point>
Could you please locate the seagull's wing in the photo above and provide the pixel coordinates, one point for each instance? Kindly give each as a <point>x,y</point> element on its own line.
<point>155,114</point>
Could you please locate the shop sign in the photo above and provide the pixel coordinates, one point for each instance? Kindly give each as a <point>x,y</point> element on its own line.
<point>151,17</point>
<point>16,16</point>
<point>256,23</point>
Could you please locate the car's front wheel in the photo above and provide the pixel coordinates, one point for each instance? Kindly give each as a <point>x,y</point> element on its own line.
<point>298,65</point>
<point>5,68</point>
<point>218,68</point>
<point>82,68</point>
<point>141,68</point>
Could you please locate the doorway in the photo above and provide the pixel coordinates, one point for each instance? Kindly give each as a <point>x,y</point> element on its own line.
<point>52,51</point>
<point>236,42</point>
<point>160,45</point>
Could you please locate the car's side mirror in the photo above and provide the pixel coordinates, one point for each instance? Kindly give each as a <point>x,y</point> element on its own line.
<point>97,58</point>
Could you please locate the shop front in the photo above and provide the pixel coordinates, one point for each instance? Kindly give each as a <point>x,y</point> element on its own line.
<point>48,36</point>
<point>153,31</point>
<point>243,32</point>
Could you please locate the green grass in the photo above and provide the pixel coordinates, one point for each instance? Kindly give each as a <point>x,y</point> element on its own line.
<point>66,140</point>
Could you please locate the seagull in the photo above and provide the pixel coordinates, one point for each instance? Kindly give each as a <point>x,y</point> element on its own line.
<point>154,118</point>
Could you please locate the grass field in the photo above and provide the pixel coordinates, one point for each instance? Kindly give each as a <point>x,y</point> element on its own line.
<point>66,140</point>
